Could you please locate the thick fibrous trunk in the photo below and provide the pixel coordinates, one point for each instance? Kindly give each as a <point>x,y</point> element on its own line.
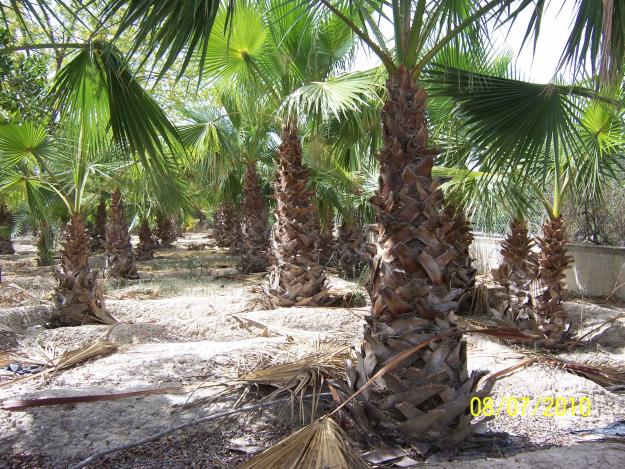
<point>254,225</point>
<point>79,298</point>
<point>518,269</point>
<point>219,226</point>
<point>165,230</point>
<point>326,241</point>
<point>120,260</point>
<point>45,251</point>
<point>461,270</point>
<point>145,249</point>
<point>297,278</point>
<point>99,227</point>
<point>348,251</point>
<point>6,221</point>
<point>227,228</point>
<point>553,263</point>
<point>426,397</point>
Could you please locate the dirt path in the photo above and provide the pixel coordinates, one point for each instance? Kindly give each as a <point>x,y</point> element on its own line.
<point>190,320</point>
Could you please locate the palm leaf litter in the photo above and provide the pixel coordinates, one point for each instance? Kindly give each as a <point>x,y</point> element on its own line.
<point>321,444</point>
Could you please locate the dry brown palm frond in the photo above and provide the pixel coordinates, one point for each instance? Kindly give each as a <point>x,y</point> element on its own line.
<point>79,355</point>
<point>294,369</point>
<point>604,373</point>
<point>51,362</point>
<point>322,444</point>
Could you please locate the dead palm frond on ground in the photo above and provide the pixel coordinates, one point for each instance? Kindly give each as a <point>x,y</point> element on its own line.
<point>294,369</point>
<point>319,445</point>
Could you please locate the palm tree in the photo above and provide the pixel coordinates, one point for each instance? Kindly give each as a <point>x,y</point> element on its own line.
<point>6,221</point>
<point>120,260</point>
<point>289,54</point>
<point>165,230</point>
<point>410,277</point>
<point>590,152</point>
<point>99,226</point>
<point>147,241</point>
<point>99,101</point>
<point>229,134</point>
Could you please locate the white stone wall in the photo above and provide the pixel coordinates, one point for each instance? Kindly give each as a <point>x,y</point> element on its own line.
<point>596,270</point>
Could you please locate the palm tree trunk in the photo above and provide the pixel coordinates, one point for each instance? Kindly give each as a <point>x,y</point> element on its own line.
<point>99,228</point>
<point>227,228</point>
<point>120,260</point>
<point>219,226</point>
<point>145,250</point>
<point>426,397</point>
<point>45,248</point>
<point>79,298</point>
<point>326,240</point>
<point>553,263</point>
<point>297,278</point>
<point>165,230</point>
<point>348,251</point>
<point>518,269</point>
<point>6,221</point>
<point>461,270</point>
<point>254,225</point>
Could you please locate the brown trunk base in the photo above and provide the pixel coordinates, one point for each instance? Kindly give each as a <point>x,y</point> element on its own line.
<point>79,298</point>
<point>296,278</point>
<point>348,252</point>
<point>519,268</point>
<point>145,249</point>
<point>120,260</point>
<point>553,262</point>
<point>6,221</point>
<point>165,231</point>
<point>427,396</point>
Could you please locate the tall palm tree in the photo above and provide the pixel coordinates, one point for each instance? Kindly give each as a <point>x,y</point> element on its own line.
<point>289,53</point>
<point>410,277</point>
<point>229,134</point>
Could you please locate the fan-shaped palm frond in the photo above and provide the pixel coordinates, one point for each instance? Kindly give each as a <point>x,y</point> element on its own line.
<point>518,122</point>
<point>168,29</point>
<point>334,96</point>
<point>97,92</point>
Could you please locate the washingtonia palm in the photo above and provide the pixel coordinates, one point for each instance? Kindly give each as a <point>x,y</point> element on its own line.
<point>594,153</point>
<point>289,53</point>
<point>229,135</point>
<point>427,396</point>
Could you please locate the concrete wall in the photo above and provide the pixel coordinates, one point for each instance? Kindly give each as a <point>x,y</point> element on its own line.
<point>596,270</point>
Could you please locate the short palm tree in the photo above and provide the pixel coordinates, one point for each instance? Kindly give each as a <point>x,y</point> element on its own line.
<point>590,152</point>
<point>120,259</point>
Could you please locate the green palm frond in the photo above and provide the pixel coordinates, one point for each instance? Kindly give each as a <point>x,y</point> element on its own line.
<point>334,96</point>
<point>602,150</point>
<point>484,196</point>
<point>598,37</point>
<point>520,123</point>
<point>19,143</point>
<point>97,93</point>
<point>243,55</point>
<point>169,29</point>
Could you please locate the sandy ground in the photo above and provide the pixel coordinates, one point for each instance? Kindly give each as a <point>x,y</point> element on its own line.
<point>191,320</point>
